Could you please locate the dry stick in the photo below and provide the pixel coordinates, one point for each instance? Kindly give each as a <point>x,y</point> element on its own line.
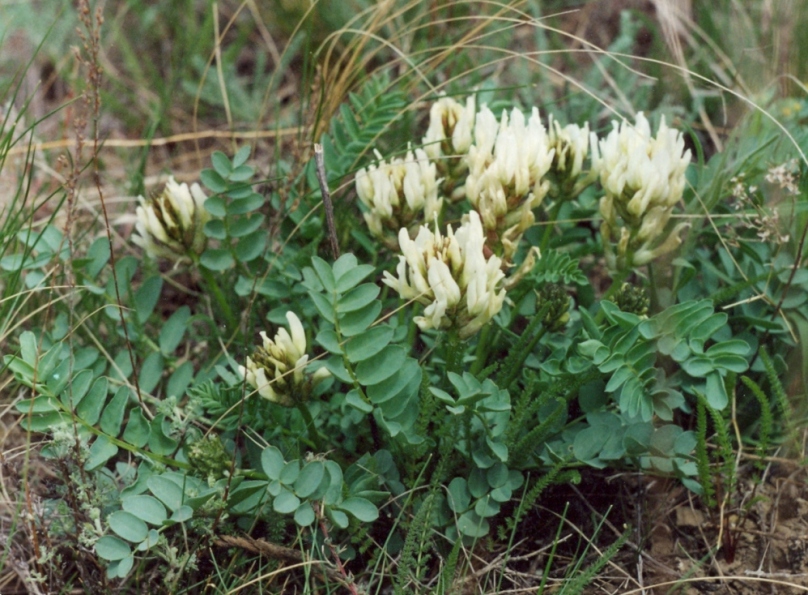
<point>329,207</point>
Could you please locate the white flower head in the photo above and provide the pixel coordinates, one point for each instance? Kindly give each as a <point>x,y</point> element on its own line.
<point>171,224</point>
<point>451,276</point>
<point>508,164</point>
<point>643,178</point>
<point>277,369</point>
<point>399,192</point>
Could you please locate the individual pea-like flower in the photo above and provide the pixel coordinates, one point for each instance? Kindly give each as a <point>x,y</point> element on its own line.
<point>643,178</point>
<point>171,224</point>
<point>399,193</point>
<point>508,163</point>
<point>448,138</point>
<point>571,144</point>
<point>277,369</point>
<point>451,276</point>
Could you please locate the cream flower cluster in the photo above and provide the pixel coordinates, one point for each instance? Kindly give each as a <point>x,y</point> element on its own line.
<point>508,163</point>
<point>451,276</point>
<point>171,224</point>
<point>277,369</point>
<point>399,192</point>
<point>447,140</point>
<point>643,177</point>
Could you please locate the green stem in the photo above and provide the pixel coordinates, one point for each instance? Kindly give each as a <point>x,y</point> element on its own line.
<point>218,296</point>
<point>454,352</point>
<point>548,231</point>
<point>482,349</point>
<point>314,436</point>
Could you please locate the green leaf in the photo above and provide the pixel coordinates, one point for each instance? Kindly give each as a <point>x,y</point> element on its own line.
<point>358,298</point>
<point>355,400</point>
<point>180,379</point>
<point>709,327</point>
<point>128,526</point>
<point>217,259</point>
<point>328,339</point>
<point>213,181</point>
<point>241,156</point>
<point>182,514</point>
<point>38,405</point>
<point>395,384</point>
<point>110,547</point>
<point>732,347</point>
<point>216,206</point>
<point>112,417</point>
<point>339,518</point>
<point>98,256</point>
<point>381,366</point>
<point>343,264</point>
<point>368,343</point>
<point>166,490</point>
<point>120,568</point>
<point>311,476</point>
<point>151,372</point>
<point>361,508</point>
<point>352,277</point>
<point>146,297</point>
<point>146,508</point>
<point>304,515</point>
<point>150,541</point>
<point>137,429</point>
<point>733,363</point>
<point>354,323</point>
<point>323,306</point>
<point>272,462</point>
<point>472,525</point>
<point>221,163</point>
<point>76,391</point>
<point>173,330</point>
<point>699,366</point>
<point>716,392</point>
<point>458,498</point>
<point>246,225</point>
<point>285,502</point>
<point>251,246</point>
<point>325,274</point>
<point>290,472</point>
<point>101,451</point>
<point>241,173</point>
<point>159,441</point>
<point>248,204</point>
<point>215,228</point>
